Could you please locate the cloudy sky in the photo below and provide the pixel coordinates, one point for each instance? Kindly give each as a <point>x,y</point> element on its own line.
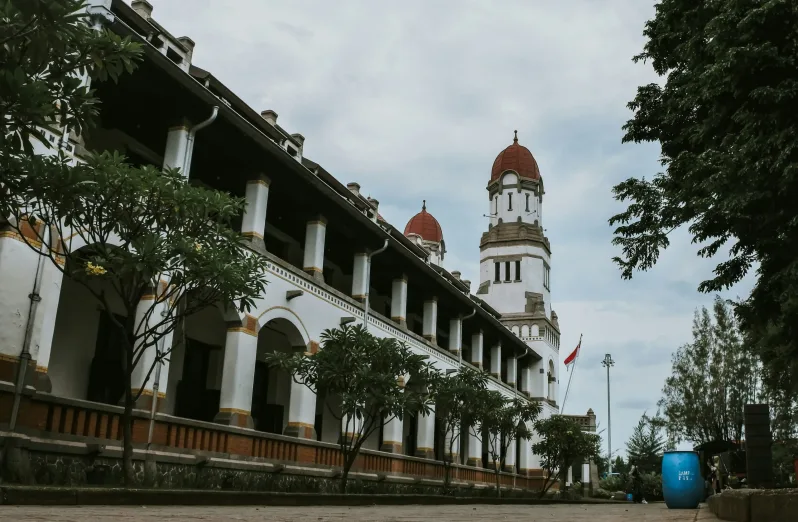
<point>414,99</point>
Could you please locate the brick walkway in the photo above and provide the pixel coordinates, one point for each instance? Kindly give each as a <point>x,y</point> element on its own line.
<point>593,513</point>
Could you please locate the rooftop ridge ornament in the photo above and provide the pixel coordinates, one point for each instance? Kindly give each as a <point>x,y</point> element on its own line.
<point>423,204</point>
<point>515,138</point>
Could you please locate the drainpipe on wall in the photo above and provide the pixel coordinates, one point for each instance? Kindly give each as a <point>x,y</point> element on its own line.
<point>368,284</point>
<point>24,356</point>
<point>464,319</point>
<point>190,140</point>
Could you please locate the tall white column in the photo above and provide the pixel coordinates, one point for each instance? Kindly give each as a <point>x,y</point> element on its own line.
<point>525,455</point>
<point>474,447</point>
<point>392,435</point>
<point>17,275</point>
<point>455,336</point>
<point>452,444</point>
<point>509,458</point>
<point>526,381</point>
<point>476,350</point>
<point>174,156</point>
<point>350,427</point>
<point>302,406</point>
<point>51,295</point>
<point>399,301</point>
<point>425,445</point>
<point>253,223</point>
<point>496,360</point>
<point>430,321</point>
<point>360,276</point>
<point>512,370</point>
<point>492,444</point>
<point>315,233</point>
<point>238,373</point>
<point>142,379</point>
<point>534,460</point>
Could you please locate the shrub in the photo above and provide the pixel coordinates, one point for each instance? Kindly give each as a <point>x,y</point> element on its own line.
<point>613,483</point>
<point>652,486</point>
<point>601,493</point>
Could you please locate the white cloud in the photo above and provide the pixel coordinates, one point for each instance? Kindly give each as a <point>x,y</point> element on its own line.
<point>415,99</point>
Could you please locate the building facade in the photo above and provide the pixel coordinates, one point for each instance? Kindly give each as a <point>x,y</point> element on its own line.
<point>216,398</point>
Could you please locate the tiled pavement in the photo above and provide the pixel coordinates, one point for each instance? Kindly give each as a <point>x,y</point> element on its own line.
<point>572,513</point>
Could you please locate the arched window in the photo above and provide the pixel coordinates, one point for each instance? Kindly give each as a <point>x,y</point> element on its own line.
<point>510,201</point>
<point>527,202</point>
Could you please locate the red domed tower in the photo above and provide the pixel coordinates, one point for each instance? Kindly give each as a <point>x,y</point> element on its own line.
<point>515,187</point>
<point>515,261</point>
<point>426,231</point>
<point>516,158</point>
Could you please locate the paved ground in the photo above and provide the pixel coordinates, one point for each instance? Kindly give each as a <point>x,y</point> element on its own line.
<point>593,513</point>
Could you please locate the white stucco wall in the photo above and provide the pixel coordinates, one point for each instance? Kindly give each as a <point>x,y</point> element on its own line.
<point>18,263</point>
<point>500,207</point>
<point>511,297</point>
<point>75,339</point>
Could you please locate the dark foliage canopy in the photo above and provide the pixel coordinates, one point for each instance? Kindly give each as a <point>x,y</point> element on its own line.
<point>727,123</point>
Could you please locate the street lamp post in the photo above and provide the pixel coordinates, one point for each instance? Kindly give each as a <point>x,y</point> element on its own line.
<point>608,362</point>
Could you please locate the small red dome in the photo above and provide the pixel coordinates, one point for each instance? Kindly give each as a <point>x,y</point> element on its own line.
<point>518,158</point>
<point>425,226</point>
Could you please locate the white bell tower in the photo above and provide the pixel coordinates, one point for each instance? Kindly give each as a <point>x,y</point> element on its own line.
<point>515,263</point>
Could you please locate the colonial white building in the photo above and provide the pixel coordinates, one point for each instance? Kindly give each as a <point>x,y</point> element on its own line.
<point>216,395</point>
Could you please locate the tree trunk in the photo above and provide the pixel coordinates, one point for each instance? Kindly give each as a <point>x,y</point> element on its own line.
<point>127,417</point>
<point>496,469</point>
<point>127,437</point>
<point>349,461</point>
<point>447,476</point>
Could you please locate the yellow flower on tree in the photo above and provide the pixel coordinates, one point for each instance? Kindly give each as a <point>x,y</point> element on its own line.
<point>92,269</point>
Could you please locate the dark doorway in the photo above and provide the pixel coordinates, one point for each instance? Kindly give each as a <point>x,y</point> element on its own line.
<point>194,400</point>
<point>106,376</point>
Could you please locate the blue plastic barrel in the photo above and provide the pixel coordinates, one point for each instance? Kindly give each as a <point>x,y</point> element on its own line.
<point>682,484</point>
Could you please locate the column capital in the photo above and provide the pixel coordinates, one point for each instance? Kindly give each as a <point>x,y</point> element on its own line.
<point>180,124</point>
<point>318,219</point>
<point>248,325</point>
<point>315,237</point>
<point>261,179</point>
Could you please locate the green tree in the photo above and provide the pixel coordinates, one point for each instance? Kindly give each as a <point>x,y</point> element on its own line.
<point>620,466</point>
<point>562,444</point>
<point>503,421</point>
<point>453,394</point>
<point>49,55</point>
<point>711,380</point>
<point>366,376</point>
<point>141,226</point>
<point>726,122</point>
<point>646,445</point>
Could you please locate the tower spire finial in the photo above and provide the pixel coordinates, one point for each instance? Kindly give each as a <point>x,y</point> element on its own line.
<point>515,138</point>
<point>423,204</point>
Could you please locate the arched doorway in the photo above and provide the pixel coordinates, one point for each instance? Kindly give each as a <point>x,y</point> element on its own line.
<point>196,363</point>
<point>85,360</point>
<point>271,394</point>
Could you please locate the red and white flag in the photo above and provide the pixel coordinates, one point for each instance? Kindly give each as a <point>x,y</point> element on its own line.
<point>572,358</point>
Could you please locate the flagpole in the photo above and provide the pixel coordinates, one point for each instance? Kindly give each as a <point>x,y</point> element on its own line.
<point>573,370</point>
